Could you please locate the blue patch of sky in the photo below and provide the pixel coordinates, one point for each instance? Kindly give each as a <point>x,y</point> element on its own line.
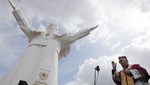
<point>13,46</point>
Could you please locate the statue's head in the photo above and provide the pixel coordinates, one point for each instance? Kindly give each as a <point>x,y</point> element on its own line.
<point>51,28</point>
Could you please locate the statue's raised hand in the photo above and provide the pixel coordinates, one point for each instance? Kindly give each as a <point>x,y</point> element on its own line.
<point>92,28</point>
<point>12,5</point>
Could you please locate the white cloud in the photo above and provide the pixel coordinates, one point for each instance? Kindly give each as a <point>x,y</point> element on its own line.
<point>85,75</point>
<point>139,49</point>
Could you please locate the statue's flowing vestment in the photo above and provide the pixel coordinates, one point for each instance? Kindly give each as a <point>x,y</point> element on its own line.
<point>39,63</point>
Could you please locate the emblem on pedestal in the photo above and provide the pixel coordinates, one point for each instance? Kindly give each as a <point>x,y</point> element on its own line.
<point>43,75</point>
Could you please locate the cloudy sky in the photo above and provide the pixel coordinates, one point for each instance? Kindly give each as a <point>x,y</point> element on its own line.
<point>124,29</point>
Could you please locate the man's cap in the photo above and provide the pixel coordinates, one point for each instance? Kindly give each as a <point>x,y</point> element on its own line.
<point>121,57</point>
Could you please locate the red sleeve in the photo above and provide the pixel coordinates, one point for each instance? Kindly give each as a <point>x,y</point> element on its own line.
<point>141,70</point>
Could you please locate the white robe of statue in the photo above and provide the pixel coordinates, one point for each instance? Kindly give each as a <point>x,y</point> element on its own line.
<point>39,64</point>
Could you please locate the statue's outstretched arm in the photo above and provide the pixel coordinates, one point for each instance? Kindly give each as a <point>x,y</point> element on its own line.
<point>92,28</point>
<point>84,33</point>
<point>80,34</point>
<point>12,5</point>
<point>68,40</point>
<point>21,21</point>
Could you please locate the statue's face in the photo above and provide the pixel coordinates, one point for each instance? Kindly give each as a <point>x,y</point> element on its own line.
<point>51,28</point>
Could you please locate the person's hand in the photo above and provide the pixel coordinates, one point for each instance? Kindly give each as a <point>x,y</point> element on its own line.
<point>113,64</point>
<point>127,71</point>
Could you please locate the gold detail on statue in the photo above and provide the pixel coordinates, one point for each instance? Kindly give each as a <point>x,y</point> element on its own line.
<point>39,83</point>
